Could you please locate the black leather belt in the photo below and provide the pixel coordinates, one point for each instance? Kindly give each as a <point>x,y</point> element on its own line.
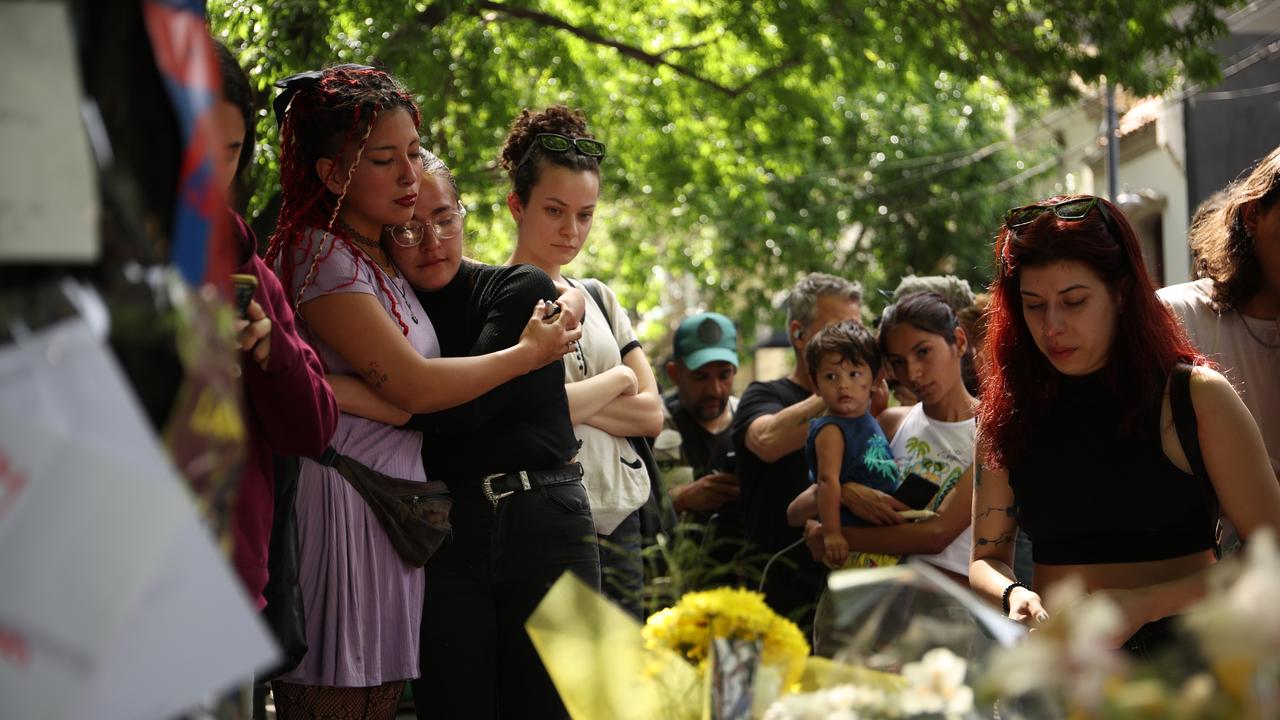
<point>498,486</point>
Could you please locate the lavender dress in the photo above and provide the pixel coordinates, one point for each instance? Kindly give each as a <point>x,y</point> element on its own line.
<point>363,603</point>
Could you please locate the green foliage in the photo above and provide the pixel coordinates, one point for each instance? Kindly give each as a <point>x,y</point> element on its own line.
<point>686,562</point>
<point>749,141</point>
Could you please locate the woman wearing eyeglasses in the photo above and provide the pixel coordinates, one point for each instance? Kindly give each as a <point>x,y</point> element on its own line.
<point>520,513</point>
<point>1101,430</point>
<point>554,165</point>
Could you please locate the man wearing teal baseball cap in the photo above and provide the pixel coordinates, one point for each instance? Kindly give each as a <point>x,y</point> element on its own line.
<point>695,450</point>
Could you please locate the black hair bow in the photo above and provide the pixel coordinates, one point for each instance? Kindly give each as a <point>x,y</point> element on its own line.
<point>291,85</point>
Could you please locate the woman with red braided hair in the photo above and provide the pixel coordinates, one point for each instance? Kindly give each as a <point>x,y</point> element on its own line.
<point>350,165</point>
<point>1102,434</point>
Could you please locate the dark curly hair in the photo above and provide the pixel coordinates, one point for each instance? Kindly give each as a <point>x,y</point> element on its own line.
<point>555,119</point>
<point>1221,243</point>
<point>330,115</point>
<point>848,339</point>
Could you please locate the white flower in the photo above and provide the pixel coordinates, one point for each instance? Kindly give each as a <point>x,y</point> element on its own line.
<point>842,702</point>
<point>936,685</point>
<point>1032,664</point>
<point>1240,618</point>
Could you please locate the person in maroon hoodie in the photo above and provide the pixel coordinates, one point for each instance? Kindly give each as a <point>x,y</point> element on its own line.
<point>289,407</point>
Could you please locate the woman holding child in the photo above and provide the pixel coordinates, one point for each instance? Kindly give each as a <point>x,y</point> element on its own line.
<point>922,341</point>
<point>1105,438</point>
<point>350,166</point>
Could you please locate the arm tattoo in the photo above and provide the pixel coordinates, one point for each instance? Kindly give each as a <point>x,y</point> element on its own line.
<point>977,474</point>
<point>1010,511</point>
<point>375,377</point>
<point>1003,539</point>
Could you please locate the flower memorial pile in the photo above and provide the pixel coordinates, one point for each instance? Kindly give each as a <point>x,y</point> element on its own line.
<point>688,627</point>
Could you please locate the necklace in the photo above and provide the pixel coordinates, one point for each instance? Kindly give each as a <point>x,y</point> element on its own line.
<point>366,245</point>
<point>355,234</point>
<point>1245,321</point>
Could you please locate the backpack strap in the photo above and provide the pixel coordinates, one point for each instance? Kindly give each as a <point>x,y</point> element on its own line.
<point>592,287</point>
<point>1184,419</point>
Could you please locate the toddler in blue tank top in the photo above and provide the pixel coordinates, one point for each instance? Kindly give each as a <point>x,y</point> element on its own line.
<point>846,445</point>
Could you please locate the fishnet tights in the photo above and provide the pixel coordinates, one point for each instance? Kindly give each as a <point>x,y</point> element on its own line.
<point>314,702</point>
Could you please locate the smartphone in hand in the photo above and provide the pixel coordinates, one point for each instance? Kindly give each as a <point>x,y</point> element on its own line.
<point>550,313</point>
<point>915,492</point>
<point>243,288</point>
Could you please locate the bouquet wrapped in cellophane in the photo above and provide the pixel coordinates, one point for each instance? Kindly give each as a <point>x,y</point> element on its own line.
<point>721,654</point>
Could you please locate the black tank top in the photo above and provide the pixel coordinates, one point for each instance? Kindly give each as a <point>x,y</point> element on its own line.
<point>1088,493</point>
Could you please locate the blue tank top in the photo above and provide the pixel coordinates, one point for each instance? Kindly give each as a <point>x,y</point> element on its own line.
<point>867,460</point>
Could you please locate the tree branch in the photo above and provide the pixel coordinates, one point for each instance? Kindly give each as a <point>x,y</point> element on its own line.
<point>635,53</point>
<point>683,48</point>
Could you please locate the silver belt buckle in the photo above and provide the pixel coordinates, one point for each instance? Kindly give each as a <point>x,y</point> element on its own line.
<point>486,486</point>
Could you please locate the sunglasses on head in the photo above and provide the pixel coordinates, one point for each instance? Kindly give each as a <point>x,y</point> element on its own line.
<point>1074,209</point>
<point>555,142</point>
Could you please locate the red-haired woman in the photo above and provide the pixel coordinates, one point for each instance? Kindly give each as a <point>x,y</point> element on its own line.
<point>1089,379</point>
<point>350,165</point>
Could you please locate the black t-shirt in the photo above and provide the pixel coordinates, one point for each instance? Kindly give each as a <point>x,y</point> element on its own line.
<point>768,488</point>
<point>706,452</point>
<point>520,425</point>
<point>792,586</point>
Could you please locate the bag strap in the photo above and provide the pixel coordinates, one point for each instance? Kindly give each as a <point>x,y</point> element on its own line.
<point>348,468</point>
<point>657,515</point>
<point>1184,419</point>
<point>593,289</point>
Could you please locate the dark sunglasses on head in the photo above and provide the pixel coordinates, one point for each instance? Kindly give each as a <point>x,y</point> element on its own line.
<point>555,142</point>
<point>1074,209</point>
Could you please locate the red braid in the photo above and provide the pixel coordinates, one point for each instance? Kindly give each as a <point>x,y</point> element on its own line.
<point>321,121</point>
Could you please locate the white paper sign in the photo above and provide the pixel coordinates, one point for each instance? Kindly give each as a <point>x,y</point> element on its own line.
<point>48,189</point>
<point>114,602</point>
<point>195,634</point>
<point>83,540</point>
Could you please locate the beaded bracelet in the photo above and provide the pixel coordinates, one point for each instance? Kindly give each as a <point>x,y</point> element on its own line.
<point>1004,599</point>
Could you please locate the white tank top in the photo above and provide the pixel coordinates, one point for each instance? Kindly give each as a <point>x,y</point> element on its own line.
<point>940,452</point>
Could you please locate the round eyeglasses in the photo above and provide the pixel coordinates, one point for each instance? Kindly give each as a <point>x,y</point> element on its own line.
<point>446,226</point>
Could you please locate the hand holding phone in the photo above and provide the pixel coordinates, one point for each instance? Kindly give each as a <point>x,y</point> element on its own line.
<point>550,311</point>
<point>915,491</point>
<point>243,287</point>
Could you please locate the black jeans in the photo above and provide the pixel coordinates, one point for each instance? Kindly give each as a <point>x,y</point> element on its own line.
<point>481,587</point>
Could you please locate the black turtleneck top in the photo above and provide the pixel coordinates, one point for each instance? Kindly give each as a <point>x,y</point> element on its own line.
<point>520,425</point>
<point>1088,493</point>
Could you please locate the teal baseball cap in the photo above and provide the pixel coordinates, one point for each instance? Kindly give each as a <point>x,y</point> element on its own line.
<point>706,337</point>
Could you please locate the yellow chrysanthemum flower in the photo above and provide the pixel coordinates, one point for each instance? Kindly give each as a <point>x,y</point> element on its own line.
<point>688,628</point>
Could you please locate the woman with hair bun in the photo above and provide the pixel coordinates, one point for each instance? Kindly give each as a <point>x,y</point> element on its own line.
<point>1102,433</point>
<point>350,166</point>
<point>553,161</point>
